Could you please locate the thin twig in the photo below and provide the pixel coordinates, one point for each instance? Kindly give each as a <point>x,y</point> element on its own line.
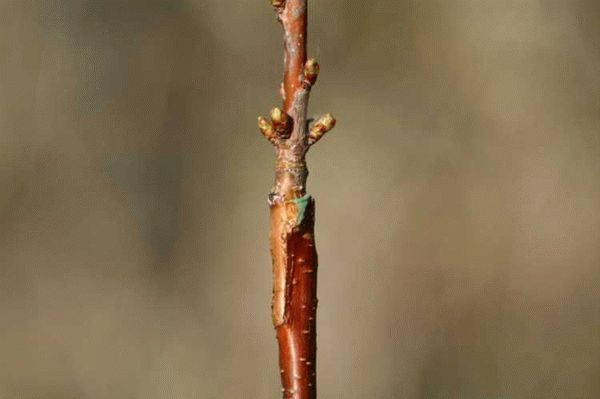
<point>292,209</point>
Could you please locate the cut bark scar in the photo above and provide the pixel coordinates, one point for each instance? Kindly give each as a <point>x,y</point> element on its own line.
<point>287,217</point>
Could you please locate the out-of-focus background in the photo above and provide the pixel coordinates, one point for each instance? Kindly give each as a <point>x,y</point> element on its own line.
<point>458,199</point>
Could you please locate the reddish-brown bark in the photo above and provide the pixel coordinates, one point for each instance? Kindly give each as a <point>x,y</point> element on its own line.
<point>293,16</point>
<point>297,332</point>
<point>292,210</point>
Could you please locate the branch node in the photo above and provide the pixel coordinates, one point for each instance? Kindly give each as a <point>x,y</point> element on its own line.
<point>324,124</point>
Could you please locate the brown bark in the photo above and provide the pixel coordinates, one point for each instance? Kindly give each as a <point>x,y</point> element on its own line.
<point>292,209</point>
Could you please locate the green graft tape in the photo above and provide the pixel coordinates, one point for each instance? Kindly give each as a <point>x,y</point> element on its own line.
<point>301,204</point>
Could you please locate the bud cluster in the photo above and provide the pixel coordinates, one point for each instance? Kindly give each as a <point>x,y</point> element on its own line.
<point>279,127</point>
<point>324,124</point>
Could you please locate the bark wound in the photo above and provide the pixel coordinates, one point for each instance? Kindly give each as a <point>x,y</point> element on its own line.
<point>287,220</point>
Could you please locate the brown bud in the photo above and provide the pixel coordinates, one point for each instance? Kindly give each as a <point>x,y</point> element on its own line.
<point>277,3</point>
<point>324,124</point>
<point>311,71</point>
<point>266,129</point>
<point>282,122</point>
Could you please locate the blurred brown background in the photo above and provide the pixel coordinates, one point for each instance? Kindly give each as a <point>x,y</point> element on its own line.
<point>458,199</point>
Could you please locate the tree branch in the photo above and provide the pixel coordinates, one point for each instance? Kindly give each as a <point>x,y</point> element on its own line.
<point>292,209</point>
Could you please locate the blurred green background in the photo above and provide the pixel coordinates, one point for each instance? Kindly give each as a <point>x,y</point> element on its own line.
<point>458,199</point>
